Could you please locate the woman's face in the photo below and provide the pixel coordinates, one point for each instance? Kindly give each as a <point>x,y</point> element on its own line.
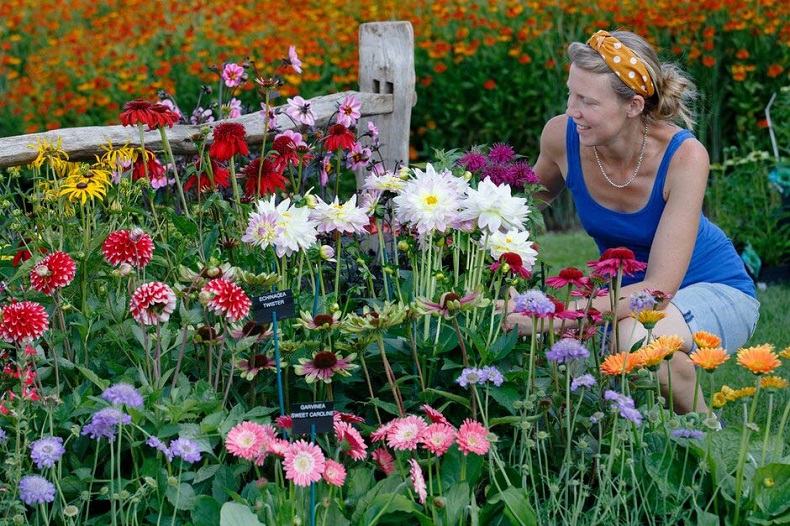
<point>592,103</point>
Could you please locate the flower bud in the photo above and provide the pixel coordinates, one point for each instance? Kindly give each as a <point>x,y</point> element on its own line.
<point>326,252</point>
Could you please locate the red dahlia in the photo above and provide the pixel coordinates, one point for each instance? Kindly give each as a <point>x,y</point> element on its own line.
<point>228,141</point>
<point>21,321</point>
<point>339,138</point>
<point>201,178</point>
<point>152,303</point>
<point>53,272</point>
<point>286,151</point>
<point>134,247</point>
<point>225,298</point>
<point>263,180</point>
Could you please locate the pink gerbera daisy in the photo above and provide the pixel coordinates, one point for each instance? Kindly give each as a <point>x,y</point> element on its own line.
<point>405,433</point>
<point>304,463</point>
<point>246,440</point>
<point>346,434</point>
<point>53,272</point>
<point>384,459</point>
<point>133,247</point>
<point>433,415</point>
<point>279,447</point>
<point>22,321</point>
<point>418,481</point>
<point>473,438</point>
<point>152,303</point>
<point>334,473</point>
<point>225,298</point>
<point>382,432</point>
<point>437,438</point>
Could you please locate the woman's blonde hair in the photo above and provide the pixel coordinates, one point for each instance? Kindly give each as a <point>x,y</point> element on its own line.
<point>675,92</point>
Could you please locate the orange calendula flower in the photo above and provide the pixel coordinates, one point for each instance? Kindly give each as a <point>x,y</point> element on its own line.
<point>671,342</point>
<point>620,363</point>
<point>649,318</point>
<point>709,358</point>
<point>760,359</point>
<point>773,382</point>
<point>651,356</point>
<point>705,340</point>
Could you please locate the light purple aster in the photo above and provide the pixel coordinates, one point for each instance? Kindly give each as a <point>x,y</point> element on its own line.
<point>473,160</point>
<point>35,489</point>
<point>491,374</point>
<point>123,394</point>
<point>566,350</point>
<point>155,443</point>
<point>46,451</point>
<point>585,380</point>
<point>533,302</point>
<point>105,423</point>
<point>625,405</point>
<point>186,449</point>
<point>641,300</point>
<point>470,375</point>
<point>688,433</point>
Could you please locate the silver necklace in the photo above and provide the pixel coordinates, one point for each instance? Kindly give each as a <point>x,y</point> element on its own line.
<point>636,170</point>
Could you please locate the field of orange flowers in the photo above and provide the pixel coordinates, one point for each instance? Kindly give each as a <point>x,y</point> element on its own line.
<point>486,70</point>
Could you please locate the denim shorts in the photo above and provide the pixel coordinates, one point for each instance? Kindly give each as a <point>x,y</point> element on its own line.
<point>719,309</point>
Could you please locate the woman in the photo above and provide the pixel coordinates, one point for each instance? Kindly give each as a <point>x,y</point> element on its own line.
<point>638,181</point>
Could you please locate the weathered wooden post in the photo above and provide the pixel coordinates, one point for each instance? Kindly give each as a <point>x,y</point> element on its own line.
<point>386,66</point>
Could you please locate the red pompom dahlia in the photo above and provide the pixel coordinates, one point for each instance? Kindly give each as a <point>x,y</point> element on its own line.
<point>152,303</point>
<point>134,247</point>
<point>226,299</point>
<point>23,321</point>
<point>53,272</point>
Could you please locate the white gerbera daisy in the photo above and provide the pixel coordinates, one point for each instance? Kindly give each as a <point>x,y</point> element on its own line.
<point>347,217</point>
<point>514,241</point>
<point>494,207</point>
<point>430,200</point>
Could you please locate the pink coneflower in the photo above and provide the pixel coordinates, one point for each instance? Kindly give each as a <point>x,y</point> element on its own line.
<point>225,298</point>
<point>437,438</point>
<point>152,303</point>
<point>228,141</point>
<point>53,272</point>
<point>246,440</point>
<point>293,59</point>
<point>567,276</point>
<point>304,463</point>
<point>434,416</point>
<point>473,438</point>
<point>301,111</point>
<point>133,247</point>
<point>405,433</point>
<point>233,75</point>
<point>418,481</point>
<point>249,369</point>
<point>334,473</point>
<point>514,264</point>
<point>351,440</point>
<point>23,321</point>
<point>384,459</point>
<point>615,259</point>
<point>339,137</point>
<point>348,112</point>
<point>153,115</point>
<point>323,366</point>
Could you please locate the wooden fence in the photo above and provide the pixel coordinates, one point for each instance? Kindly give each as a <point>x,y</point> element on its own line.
<point>386,92</point>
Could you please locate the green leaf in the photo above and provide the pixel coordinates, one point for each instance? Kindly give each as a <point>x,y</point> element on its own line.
<point>205,473</point>
<point>235,514</point>
<point>506,396</point>
<point>517,507</point>
<point>206,511</point>
<point>771,485</point>
<point>503,345</point>
<point>706,519</point>
<point>93,377</point>
<point>457,499</point>
<point>181,497</point>
<point>455,398</point>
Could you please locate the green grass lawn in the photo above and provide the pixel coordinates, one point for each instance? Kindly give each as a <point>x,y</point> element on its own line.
<point>576,248</point>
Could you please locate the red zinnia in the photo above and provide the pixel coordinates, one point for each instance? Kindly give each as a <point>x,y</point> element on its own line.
<point>263,180</point>
<point>153,115</point>
<point>134,247</point>
<point>615,259</point>
<point>226,299</point>
<point>221,177</point>
<point>53,272</point>
<point>339,138</point>
<point>152,303</point>
<point>25,320</point>
<point>228,141</point>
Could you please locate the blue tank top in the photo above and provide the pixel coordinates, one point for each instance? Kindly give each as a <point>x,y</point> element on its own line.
<point>714,259</point>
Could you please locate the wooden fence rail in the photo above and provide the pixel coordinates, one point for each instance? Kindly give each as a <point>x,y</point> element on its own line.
<point>386,79</point>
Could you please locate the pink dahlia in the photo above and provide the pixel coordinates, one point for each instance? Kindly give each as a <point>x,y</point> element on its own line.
<point>227,299</point>
<point>246,440</point>
<point>152,303</point>
<point>304,463</point>
<point>418,481</point>
<point>133,247</point>
<point>352,441</point>
<point>22,321</point>
<point>53,272</point>
<point>334,473</point>
<point>473,438</point>
<point>384,459</point>
<point>437,438</point>
<point>406,432</point>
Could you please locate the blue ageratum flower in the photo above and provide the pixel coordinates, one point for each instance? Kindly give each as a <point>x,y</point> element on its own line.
<point>123,394</point>
<point>35,489</point>
<point>46,451</point>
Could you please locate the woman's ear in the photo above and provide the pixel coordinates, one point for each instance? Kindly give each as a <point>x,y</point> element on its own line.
<point>636,106</point>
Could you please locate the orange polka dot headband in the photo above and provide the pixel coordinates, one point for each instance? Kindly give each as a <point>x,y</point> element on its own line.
<point>625,64</point>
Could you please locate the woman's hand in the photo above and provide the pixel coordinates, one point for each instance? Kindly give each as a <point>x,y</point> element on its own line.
<point>512,319</point>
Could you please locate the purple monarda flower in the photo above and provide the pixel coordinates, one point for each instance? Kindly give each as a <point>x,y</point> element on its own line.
<point>533,302</point>
<point>566,350</point>
<point>105,423</point>
<point>501,153</point>
<point>123,394</point>
<point>46,451</point>
<point>35,489</point>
